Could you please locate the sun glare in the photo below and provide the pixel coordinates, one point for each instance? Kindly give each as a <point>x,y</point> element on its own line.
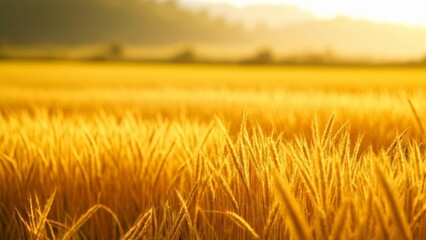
<point>402,12</point>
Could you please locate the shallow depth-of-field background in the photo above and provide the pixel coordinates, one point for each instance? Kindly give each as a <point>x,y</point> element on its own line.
<point>145,151</point>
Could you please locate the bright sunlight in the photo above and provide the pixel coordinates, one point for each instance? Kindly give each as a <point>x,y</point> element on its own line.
<point>410,12</point>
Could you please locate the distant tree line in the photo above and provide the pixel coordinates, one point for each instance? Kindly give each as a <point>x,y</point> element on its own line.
<point>76,22</point>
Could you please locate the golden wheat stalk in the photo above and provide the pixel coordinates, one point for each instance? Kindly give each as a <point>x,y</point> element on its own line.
<point>85,217</point>
<point>237,219</point>
<point>234,158</point>
<point>418,216</point>
<point>307,182</point>
<point>299,224</point>
<point>417,117</point>
<point>275,155</point>
<point>398,215</point>
<point>174,230</point>
<point>36,225</point>
<point>185,208</point>
<point>327,131</point>
<point>270,221</point>
<point>163,162</point>
<point>139,226</point>
<point>339,222</point>
<point>191,227</point>
<point>228,192</point>
<point>43,216</point>
<point>383,223</point>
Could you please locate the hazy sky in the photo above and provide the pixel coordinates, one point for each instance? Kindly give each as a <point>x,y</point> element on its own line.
<point>411,12</point>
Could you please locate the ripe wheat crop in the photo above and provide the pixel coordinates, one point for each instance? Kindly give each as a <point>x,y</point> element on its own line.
<point>102,163</point>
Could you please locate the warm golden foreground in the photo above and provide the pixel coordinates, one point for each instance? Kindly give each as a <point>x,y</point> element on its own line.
<point>92,151</point>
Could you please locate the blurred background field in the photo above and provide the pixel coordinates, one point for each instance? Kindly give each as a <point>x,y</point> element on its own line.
<point>375,100</point>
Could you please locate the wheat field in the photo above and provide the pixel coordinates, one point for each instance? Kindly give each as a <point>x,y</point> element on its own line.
<point>165,152</point>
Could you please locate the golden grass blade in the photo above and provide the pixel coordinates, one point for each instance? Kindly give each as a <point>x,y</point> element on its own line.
<point>339,222</point>
<point>234,158</point>
<point>327,131</point>
<point>77,225</point>
<point>192,228</point>
<point>418,216</point>
<point>397,139</point>
<point>311,191</point>
<point>185,208</point>
<point>346,126</point>
<point>228,192</point>
<point>382,219</point>
<point>139,226</point>
<point>243,126</point>
<point>85,217</point>
<point>26,223</point>
<point>242,224</point>
<point>43,216</point>
<point>417,117</point>
<point>299,224</point>
<point>175,228</point>
<point>398,215</point>
<point>270,221</point>
<point>163,162</point>
<point>38,222</point>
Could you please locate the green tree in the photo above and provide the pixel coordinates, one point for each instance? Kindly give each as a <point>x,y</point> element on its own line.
<point>115,51</point>
<point>2,48</point>
<point>187,55</point>
<point>264,56</point>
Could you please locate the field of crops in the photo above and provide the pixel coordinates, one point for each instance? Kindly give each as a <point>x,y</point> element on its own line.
<point>139,151</point>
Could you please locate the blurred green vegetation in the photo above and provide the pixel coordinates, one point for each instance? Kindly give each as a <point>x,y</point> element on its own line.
<point>76,22</point>
<point>112,30</point>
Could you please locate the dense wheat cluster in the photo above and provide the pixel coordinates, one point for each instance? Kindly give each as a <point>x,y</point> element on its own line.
<point>211,163</point>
